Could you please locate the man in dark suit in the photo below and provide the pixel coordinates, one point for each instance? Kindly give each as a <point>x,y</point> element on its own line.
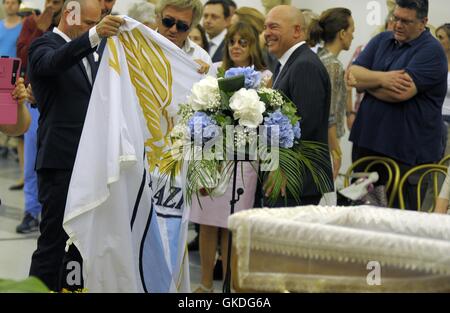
<point>62,71</point>
<point>302,77</point>
<point>216,19</point>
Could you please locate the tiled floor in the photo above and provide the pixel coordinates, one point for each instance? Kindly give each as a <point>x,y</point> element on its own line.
<point>16,249</point>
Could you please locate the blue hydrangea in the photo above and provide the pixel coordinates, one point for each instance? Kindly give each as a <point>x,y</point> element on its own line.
<point>286,131</point>
<point>297,131</point>
<point>252,77</point>
<point>207,127</point>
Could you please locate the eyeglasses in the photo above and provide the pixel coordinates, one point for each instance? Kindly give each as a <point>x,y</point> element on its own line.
<point>396,19</point>
<point>170,21</point>
<point>242,42</point>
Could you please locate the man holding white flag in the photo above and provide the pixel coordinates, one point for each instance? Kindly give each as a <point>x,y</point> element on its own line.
<point>62,71</point>
<point>129,226</point>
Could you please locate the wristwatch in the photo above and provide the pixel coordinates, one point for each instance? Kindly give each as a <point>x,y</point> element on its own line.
<point>350,113</point>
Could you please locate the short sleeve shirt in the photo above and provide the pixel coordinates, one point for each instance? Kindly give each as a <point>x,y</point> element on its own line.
<point>408,131</point>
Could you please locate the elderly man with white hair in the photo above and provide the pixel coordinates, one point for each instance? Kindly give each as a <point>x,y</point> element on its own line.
<point>175,18</point>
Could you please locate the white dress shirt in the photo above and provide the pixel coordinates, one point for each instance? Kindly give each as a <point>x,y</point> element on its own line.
<point>195,52</point>
<point>285,57</point>
<point>94,39</point>
<point>215,42</point>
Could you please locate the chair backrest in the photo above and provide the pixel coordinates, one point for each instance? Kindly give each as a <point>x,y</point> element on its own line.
<point>445,160</point>
<point>392,169</point>
<point>428,169</point>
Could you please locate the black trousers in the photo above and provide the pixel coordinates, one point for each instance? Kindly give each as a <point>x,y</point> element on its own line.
<point>410,187</point>
<point>50,263</point>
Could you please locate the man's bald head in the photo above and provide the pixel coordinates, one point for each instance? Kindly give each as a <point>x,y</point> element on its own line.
<point>284,27</point>
<point>78,16</point>
<point>69,4</point>
<point>290,13</point>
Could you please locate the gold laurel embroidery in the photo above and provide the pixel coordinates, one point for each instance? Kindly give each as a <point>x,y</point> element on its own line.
<point>151,75</point>
<point>114,61</point>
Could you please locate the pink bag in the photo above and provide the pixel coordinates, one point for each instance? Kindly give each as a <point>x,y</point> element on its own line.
<point>9,73</point>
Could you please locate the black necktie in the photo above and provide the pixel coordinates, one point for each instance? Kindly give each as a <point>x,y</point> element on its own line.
<point>93,66</point>
<point>277,71</point>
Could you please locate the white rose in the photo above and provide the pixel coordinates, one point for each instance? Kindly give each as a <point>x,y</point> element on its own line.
<point>203,92</point>
<point>249,118</point>
<point>247,107</point>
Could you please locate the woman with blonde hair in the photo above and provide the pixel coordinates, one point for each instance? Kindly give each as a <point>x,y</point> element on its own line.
<point>241,50</point>
<point>251,16</point>
<point>310,16</point>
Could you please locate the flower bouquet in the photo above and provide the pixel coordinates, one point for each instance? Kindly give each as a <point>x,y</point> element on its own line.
<point>236,118</point>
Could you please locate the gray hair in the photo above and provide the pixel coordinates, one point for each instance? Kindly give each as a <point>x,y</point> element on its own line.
<point>143,12</point>
<point>195,5</point>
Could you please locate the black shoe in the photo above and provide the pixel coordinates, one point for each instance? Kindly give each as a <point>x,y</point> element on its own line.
<point>28,225</point>
<point>193,245</point>
<point>218,270</point>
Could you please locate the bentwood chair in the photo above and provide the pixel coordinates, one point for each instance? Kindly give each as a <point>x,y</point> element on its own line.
<point>370,162</point>
<point>427,169</point>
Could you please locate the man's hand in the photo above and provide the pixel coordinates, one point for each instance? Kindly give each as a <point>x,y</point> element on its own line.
<point>270,184</point>
<point>20,92</point>
<point>204,67</point>
<point>350,80</point>
<point>396,81</point>
<point>44,20</point>
<point>109,26</point>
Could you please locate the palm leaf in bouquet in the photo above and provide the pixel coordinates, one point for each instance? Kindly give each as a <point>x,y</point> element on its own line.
<point>293,164</point>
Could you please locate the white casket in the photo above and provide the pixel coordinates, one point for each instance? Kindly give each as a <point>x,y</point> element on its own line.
<point>340,249</point>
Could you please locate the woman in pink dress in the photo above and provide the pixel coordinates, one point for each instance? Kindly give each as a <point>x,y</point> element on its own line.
<point>242,49</point>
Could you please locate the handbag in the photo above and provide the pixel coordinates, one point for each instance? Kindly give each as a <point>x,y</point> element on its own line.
<point>363,192</point>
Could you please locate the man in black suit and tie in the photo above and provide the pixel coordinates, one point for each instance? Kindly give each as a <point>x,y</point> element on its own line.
<point>216,19</point>
<point>62,71</point>
<point>302,77</point>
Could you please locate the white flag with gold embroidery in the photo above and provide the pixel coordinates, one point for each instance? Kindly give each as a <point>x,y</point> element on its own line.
<point>132,238</point>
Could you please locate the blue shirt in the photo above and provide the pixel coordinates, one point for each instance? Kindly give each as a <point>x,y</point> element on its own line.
<point>410,131</point>
<point>8,39</point>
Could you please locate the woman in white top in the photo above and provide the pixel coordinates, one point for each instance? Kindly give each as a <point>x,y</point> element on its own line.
<point>443,34</point>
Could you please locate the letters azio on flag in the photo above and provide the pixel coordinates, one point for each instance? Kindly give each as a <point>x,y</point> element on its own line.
<point>129,226</point>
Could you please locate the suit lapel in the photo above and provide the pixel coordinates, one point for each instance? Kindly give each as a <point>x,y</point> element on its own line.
<point>101,48</point>
<point>83,69</point>
<point>218,55</point>
<point>291,59</point>
<point>62,41</point>
<point>94,66</point>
